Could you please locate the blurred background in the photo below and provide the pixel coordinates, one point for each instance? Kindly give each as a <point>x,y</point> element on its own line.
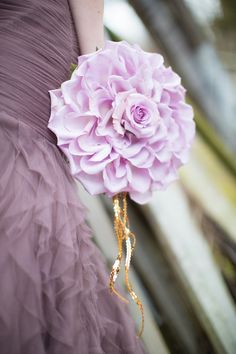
<point>184,264</point>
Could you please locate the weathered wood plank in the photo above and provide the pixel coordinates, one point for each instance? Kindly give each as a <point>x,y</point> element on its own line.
<point>193,263</point>
<point>212,186</point>
<point>177,320</point>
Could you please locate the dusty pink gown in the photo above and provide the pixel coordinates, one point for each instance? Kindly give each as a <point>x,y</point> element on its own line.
<point>54,295</point>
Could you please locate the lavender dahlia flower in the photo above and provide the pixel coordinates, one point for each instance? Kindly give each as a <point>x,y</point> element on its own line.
<point>122,121</point>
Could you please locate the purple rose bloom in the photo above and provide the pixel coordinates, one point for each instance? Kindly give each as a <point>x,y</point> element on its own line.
<point>122,121</point>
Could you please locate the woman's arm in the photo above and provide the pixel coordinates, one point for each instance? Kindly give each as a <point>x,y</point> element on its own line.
<point>88,19</point>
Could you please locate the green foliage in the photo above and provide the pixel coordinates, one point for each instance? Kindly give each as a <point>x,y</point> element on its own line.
<point>72,68</point>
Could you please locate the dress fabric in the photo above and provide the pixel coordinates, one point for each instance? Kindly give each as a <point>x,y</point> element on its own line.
<point>54,295</point>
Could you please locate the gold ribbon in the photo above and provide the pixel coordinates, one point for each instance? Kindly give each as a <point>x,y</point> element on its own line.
<point>123,234</point>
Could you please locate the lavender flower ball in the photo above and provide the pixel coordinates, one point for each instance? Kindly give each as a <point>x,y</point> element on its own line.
<point>123,122</point>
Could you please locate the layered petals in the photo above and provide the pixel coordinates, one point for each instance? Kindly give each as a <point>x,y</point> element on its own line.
<point>122,121</point>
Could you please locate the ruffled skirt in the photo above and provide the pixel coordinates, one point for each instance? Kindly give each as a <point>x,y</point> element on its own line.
<point>54,295</point>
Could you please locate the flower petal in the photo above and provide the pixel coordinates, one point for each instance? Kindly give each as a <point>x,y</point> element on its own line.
<point>111,181</point>
<point>140,198</point>
<point>139,178</point>
<point>92,183</point>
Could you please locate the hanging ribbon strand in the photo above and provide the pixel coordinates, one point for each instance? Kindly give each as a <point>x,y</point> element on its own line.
<point>123,234</point>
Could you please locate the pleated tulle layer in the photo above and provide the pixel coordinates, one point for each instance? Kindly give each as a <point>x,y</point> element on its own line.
<point>54,295</point>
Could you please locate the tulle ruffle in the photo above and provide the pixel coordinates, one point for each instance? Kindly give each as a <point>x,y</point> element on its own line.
<point>54,295</point>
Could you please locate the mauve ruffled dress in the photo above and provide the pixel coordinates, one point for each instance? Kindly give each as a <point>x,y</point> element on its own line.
<point>54,295</point>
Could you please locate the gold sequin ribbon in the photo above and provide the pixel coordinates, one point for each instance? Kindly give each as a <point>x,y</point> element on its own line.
<point>123,234</point>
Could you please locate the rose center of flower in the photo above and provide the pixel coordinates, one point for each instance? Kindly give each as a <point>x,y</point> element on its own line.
<point>139,114</point>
